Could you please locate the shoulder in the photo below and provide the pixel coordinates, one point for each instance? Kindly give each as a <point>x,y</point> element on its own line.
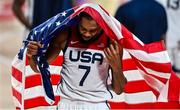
<point>159,6</point>
<point>61,36</point>
<point>125,8</point>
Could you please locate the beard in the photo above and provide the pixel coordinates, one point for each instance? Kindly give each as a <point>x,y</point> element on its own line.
<point>91,38</point>
<point>87,38</point>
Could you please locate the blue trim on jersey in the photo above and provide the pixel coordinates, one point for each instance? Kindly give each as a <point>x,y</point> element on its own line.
<point>107,86</point>
<point>108,105</point>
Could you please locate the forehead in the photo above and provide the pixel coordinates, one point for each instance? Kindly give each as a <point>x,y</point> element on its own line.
<point>87,23</point>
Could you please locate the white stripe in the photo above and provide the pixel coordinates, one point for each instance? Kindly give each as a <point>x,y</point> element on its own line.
<point>17,103</point>
<point>133,75</point>
<point>140,97</point>
<point>138,40</point>
<point>61,53</point>
<point>48,100</point>
<point>153,82</point>
<point>37,91</point>
<point>117,98</point>
<point>126,55</point>
<point>53,69</point>
<point>18,64</point>
<point>159,57</point>
<point>118,25</point>
<point>156,73</point>
<point>163,97</point>
<point>18,86</point>
<point>135,98</point>
<point>23,75</point>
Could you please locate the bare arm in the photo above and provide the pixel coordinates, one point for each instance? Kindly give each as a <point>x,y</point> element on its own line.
<point>56,45</point>
<point>17,9</point>
<point>114,55</point>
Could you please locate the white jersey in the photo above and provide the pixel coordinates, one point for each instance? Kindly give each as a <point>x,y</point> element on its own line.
<point>173,13</point>
<point>85,70</point>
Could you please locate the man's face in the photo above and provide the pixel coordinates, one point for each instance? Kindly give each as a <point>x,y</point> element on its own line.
<point>88,28</point>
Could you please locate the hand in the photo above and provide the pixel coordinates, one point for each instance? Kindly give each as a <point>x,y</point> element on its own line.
<point>32,48</point>
<point>114,55</point>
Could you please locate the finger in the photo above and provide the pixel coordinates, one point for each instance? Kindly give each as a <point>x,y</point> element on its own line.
<point>29,55</point>
<point>31,51</point>
<point>116,45</point>
<point>120,48</point>
<point>33,47</point>
<point>106,54</point>
<point>35,43</point>
<point>113,51</point>
<point>40,45</point>
<point>121,51</point>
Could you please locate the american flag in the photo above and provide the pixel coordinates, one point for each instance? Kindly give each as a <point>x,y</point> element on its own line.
<point>151,81</point>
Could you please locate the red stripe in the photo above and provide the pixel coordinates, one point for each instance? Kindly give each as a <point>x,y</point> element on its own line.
<point>149,48</point>
<point>126,34</point>
<point>174,88</point>
<point>129,64</point>
<point>16,74</point>
<point>17,108</point>
<point>157,105</point>
<point>17,95</point>
<point>164,80</point>
<point>35,80</point>
<point>27,61</point>
<point>58,61</point>
<point>160,67</point>
<point>38,101</point>
<point>138,86</point>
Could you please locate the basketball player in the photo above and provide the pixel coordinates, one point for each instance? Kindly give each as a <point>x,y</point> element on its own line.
<point>88,56</point>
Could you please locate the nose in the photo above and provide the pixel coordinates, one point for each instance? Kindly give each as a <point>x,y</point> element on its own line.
<point>87,34</point>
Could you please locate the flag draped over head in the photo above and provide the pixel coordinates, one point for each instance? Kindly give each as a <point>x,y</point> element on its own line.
<point>146,67</point>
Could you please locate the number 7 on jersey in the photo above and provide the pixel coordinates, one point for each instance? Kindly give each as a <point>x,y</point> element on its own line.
<point>87,68</point>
